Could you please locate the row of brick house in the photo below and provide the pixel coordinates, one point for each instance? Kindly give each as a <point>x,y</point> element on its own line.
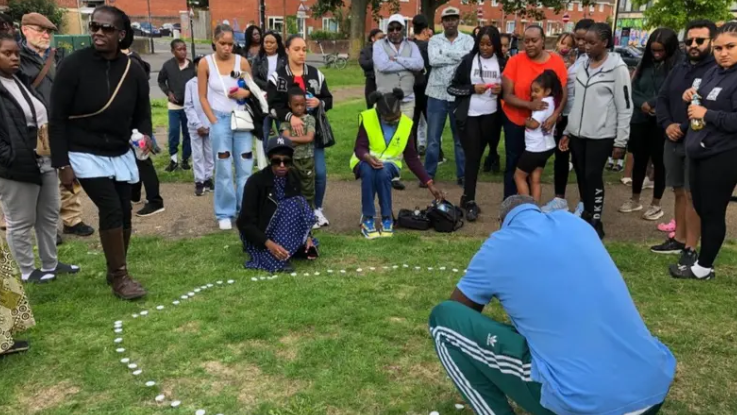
<point>242,13</point>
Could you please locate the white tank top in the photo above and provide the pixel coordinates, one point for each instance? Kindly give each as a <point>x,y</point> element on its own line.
<point>216,96</point>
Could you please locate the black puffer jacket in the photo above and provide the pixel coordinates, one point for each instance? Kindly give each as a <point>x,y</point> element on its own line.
<point>18,160</point>
<point>260,69</point>
<point>259,204</point>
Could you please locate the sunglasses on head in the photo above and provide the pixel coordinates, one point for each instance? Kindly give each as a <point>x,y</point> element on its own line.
<point>394,29</point>
<point>105,27</point>
<point>698,40</point>
<point>279,161</point>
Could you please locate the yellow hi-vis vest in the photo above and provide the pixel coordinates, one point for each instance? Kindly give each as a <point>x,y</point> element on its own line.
<point>392,153</point>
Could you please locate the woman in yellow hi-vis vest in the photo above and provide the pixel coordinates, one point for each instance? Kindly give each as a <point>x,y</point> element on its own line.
<point>382,145</point>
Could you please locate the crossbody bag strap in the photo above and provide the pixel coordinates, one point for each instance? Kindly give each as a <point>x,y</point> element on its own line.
<point>45,70</point>
<point>112,98</point>
<point>28,99</point>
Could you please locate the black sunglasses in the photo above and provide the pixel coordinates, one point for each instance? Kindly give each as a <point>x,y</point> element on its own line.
<point>698,40</point>
<point>105,27</point>
<point>394,29</point>
<point>277,161</point>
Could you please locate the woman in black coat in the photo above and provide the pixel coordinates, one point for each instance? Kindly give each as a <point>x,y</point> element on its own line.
<point>366,60</point>
<point>477,85</point>
<point>275,219</point>
<point>29,188</point>
<point>271,58</point>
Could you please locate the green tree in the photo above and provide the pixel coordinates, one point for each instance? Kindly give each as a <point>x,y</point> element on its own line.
<point>677,13</point>
<point>48,8</point>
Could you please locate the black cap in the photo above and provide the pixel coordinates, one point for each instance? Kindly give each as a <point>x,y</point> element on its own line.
<point>278,143</point>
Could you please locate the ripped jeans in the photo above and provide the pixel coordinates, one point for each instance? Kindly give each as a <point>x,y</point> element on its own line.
<point>228,148</point>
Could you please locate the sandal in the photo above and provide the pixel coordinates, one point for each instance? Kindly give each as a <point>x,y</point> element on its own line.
<point>19,346</point>
<point>40,277</point>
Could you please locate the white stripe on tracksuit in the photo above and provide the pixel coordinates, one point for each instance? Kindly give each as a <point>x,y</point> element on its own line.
<point>504,364</point>
<point>476,400</point>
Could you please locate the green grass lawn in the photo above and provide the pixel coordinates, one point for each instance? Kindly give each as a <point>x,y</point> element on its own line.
<point>353,343</point>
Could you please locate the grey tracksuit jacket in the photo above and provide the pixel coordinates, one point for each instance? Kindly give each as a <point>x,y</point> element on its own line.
<point>603,105</point>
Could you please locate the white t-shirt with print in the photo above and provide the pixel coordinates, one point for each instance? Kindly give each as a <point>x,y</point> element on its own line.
<point>537,140</point>
<point>488,73</point>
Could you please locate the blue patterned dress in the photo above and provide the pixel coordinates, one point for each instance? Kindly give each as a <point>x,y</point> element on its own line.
<point>289,227</point>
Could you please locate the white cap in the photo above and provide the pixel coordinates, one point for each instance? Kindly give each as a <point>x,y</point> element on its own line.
<point>396,18</point>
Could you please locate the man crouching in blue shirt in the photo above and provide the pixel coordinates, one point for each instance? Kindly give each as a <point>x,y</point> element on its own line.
<point>577,345</point>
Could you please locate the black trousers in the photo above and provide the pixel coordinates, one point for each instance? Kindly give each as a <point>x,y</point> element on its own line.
<point>474,139</point>
<point>113,201</point>
<point>591,156</point>
<point>420,110</point>
<point>647,142</point>
<point>149,180</point>
<point>712,182</point>
<point>562,158</point>
<point>496,134</point>
<point>369,89</point>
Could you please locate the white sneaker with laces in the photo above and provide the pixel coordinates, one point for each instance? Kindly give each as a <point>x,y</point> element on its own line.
<point>225,224</point>
<point>653,213</point>
<point>630,206</point>
<point>321,219</point>
<point>647,183</point>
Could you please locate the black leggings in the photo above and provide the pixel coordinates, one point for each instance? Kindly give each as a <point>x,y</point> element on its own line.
<point>420,110</point>
<point>562,158</point>
<point>369,89</point>
<point>591,156</point>
<point>496,134</point>
<point>474,140</point>
<point>149,180</point>
<point>113,201</point>
<point>647,142</point>
<point>712,182</point>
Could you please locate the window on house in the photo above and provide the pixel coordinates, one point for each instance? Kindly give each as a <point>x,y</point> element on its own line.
<point>570,6</point>
<point>591,8</point>
<point>481,2</point>
<point>329,24</point>
<point>510,26</point>
<point>464,1</point>
<point>580,6</point>
<point>601,7</point>
<point>550,29</point>
<point>495,3</point>
<point>276,23</point>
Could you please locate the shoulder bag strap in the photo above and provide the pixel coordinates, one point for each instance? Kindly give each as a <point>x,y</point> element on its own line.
<point>220,77</point>
<point>45,70</point>
<point>112,98</point>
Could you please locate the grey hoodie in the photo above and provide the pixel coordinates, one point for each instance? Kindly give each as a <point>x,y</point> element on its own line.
<point>603,105</point>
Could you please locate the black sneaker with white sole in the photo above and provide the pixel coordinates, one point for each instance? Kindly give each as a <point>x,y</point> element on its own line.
<point>40,277</point>
<point>199,189</point>
<point>209,185</point>
<point>185,165</point>
<point>685,272</point>
<point>173,165</point>
<point>670,246</point>
<point>397,184</point>
<point>62,268</point>
<point>19,346</point>
<point>688,257</point>
<point>149,210</point>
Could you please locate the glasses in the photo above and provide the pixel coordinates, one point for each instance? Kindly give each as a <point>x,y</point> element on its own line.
<point>698,40</point>
<point>394,29</point>
<point>277,161</point>
<point>105,27</point>
<point>40,30</point>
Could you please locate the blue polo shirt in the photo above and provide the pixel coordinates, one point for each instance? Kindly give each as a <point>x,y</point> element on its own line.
<point>590,348</point>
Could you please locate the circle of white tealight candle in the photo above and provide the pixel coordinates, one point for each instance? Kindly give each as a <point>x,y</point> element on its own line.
<point>210,285</point>
<point>197,290</point>
<point>294,274</point>
<point>459,406</point>
<point>184,297</point>
<point>317,273</point>
<point>307,274</point>
<point>118,331</point>
<point>417,268</point>
<point>125,360</point>
<point>231,281</point>
<point>175,404</point>
<point>120,350</point>
<point>175,302</point>
<point>137,372</point>
<point>395,266</point>
<point>119,322</point>
<point>191,294</point>
<point>342,271</point>
<point>219,282</point>
<point>358,270</point>
<point>144,313</point>
<point>204,287</point>
<point>263,278</point>
<point>429,268</point>
<point>132,366</point>
<point>442,268</point>
<point>160,398</point>
<point>330,271</point>
<point>161,307</point>
<point>455,269</point>
<point>405,265</point>
<point>434,413</point>
<point>200,412</point>
<point>118,340</point>
<point>150,383</point>
<point>135,316</point>
<point>254,279</point>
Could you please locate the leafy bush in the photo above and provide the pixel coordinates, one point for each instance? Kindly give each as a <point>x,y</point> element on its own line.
<point>320,35</point>
<point>48,8</point>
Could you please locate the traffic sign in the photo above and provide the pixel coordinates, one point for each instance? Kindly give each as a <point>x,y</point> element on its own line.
<point>566,18</point>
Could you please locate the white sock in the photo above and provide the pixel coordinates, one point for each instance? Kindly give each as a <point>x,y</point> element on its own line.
<point>174,158</point>
<point>699,271</point>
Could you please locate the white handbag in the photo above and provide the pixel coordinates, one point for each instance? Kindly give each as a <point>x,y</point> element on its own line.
<point>240,119</point>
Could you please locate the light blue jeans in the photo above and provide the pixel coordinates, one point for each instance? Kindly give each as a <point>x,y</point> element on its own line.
<point>230,147</point>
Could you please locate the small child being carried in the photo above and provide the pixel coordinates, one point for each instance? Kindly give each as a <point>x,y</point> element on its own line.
<point>304,146</point>
<point>539,144</point>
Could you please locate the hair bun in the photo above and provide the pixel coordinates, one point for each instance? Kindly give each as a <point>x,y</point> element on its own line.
<point>398,93</point>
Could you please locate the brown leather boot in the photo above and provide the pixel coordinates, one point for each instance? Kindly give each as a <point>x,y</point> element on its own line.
<point>126,242</point>
<point>113,243</point>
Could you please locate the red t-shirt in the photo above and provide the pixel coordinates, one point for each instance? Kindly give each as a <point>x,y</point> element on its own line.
<point>522,71</point>
<point>301,82</point>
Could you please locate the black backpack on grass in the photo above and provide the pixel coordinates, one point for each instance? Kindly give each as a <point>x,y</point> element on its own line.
<point>445,217</point>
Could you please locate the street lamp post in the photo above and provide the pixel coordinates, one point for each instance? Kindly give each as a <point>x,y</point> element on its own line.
<point>151,33</point>
<point>191,30</point>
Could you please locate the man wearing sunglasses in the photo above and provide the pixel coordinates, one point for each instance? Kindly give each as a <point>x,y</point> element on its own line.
<point>38,61</point>
<point>672,114</point>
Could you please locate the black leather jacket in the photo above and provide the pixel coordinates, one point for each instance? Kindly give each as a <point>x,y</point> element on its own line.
<point>260,69</point>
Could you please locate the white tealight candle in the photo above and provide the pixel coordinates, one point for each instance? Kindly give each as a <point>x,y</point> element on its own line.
<point>160,398</point>
<point>150,383</point>
<point>175,404</point>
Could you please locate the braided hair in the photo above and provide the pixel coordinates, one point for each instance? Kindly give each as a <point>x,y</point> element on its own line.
<point>726,28</point>
<point>604,32</point>
<point>122,22</point>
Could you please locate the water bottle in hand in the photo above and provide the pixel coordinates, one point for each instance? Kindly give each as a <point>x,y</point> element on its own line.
<point>138,142</point>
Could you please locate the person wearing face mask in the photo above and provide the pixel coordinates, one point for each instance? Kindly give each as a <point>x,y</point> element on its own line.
<point>39,63</point>
<point>672,116</point>
<point>599,120</point>
<point>561,167</point>
<point>647,139</point>
<point>98,98</point>
<point>383,144</point>
<point>275,220</point>
<point>477,85</point>
<point>712,150</point>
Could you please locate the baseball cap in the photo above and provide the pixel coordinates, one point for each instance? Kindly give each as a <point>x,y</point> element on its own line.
<point>450,12</point>
<point>396,18</point>
<point>278,143</point>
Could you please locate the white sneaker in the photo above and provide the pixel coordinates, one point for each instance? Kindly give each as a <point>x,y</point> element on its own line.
<point>653,213</point>
<point>225,224</point>
<point>321,219</point>
<point>647,183</point>
<point>630,206</point>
